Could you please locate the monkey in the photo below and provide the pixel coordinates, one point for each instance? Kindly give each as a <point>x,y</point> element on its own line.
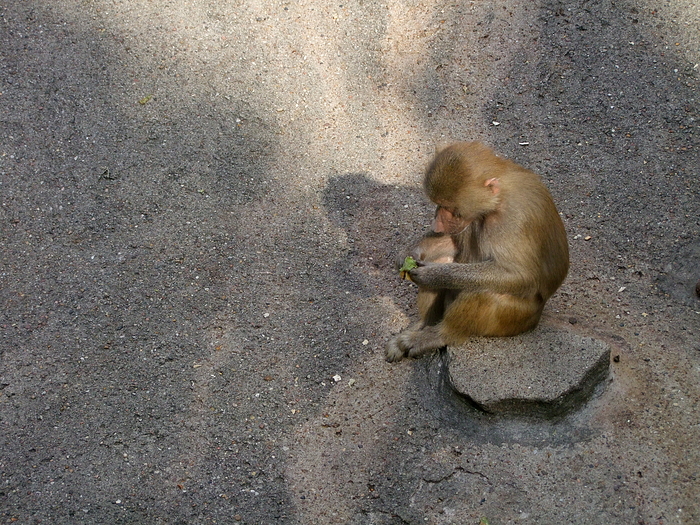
<point>496,252</point>
<point>434,247</point>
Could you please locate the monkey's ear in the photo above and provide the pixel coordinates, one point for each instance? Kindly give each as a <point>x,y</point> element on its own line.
<point>494,185</point>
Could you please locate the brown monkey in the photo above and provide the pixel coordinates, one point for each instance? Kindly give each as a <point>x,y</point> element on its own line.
<point>497,252</point>
<point>433,248</point>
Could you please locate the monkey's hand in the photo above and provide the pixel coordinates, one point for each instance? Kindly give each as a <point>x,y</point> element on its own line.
<point>427,274</point>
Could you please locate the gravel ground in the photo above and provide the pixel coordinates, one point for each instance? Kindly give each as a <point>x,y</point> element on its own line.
<point>200,205</point>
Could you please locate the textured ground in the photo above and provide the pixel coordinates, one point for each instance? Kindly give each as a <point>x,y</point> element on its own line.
<point>200,204</point>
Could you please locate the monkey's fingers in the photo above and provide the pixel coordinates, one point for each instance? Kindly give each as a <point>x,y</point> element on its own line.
<point>415,275</point>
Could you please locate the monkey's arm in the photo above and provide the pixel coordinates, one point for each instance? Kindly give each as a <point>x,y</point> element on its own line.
<point>486,275</point>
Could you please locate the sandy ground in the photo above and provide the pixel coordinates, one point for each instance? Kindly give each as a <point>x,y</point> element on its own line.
<point>200,205</point>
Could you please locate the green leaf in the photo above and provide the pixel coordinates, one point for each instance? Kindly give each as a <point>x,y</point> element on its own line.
<point>409,264</point>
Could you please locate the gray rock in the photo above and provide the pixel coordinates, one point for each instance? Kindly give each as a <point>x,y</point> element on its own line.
<point>547,372</point>
<point>680,277</point>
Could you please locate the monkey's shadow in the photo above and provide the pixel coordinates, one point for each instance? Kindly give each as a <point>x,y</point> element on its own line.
<point>382,220</point>
<point>378,219</point>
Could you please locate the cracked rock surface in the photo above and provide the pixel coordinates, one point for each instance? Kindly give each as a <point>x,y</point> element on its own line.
<point>546,372</point>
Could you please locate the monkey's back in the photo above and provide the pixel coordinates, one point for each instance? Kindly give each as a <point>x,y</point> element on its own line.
<point>527,235</point>
<point>543,227</point>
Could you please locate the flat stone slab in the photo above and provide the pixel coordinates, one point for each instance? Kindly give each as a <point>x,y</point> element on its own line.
<point>549,371</point>
<point>680,277</point>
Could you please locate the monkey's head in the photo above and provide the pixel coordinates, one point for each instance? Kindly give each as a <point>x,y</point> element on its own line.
<point>460,183</point>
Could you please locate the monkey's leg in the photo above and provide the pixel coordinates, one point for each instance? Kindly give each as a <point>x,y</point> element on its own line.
<point>489,314</point>
<point>424,336</point>
<point>431,305</point>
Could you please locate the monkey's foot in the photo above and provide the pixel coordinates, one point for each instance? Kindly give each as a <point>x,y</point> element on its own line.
<point>393,351</point>
<point>413,343</point>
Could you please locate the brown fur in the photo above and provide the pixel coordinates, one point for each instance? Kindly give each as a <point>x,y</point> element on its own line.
<point>508,252</point>
<point>435,248</point>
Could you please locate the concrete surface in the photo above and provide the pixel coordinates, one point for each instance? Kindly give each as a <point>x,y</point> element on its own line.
<point>200,205</point>
<point>548,372</point>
